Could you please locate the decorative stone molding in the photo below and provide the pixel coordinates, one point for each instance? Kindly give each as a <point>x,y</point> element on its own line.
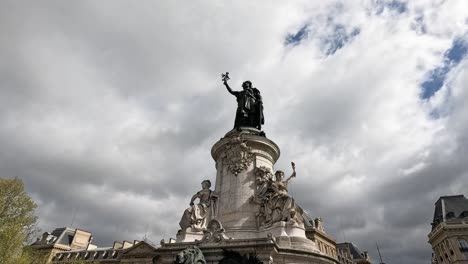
<point>237,156</point>
<point>318,224</point>
<point>260,146</point>
<point>214,233</point>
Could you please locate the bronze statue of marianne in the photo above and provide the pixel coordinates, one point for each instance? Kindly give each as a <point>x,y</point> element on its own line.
<point>249,105</point>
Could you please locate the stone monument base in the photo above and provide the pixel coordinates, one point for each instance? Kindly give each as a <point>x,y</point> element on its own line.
<point>278,229</point>
<point>189,235</point>
<point>280,250</point>
<point>283,228</point>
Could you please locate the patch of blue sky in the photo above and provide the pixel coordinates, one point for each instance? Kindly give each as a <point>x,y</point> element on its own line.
<point>295,39</point>
<point>335,38</point>
<point>399,7</point>
<point>435,82</point>
<point>458,50</point>
<point>437,76</point>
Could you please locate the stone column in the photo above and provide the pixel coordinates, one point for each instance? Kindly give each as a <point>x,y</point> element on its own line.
<point>236,156</point>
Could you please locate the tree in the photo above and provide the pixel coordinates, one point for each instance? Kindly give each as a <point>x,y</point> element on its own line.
<point>17,221</point>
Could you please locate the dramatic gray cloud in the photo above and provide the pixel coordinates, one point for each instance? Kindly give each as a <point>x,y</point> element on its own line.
<point>108,110</point>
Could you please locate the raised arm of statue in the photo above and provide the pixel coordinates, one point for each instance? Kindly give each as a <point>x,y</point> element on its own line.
<point>225,78</point>
<point>229,89</point>
<point>293,175</point>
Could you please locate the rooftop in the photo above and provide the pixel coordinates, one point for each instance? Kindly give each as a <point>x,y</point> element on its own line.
<point>355,252</point>
<point>65,236</point>
<point>448,208</point>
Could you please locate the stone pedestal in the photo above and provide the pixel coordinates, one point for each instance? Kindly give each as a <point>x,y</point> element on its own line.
<point>283,229</point>
<point>232,223</point>
<point>189,235</point>
<point>236,156</point>
<point>280,250</point>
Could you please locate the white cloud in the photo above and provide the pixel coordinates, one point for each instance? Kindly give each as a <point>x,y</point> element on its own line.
<point>108,105</point>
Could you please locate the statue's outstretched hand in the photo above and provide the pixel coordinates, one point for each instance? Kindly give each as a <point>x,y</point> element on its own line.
<point>293,165</point>
<point>225,77</point>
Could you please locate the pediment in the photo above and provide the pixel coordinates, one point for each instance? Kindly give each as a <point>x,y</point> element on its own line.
<point>142,248</point>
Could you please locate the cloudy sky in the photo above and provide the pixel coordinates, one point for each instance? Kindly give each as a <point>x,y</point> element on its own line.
<point>109,109</point>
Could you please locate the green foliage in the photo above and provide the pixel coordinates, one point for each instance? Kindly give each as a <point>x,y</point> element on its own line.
<point>17,221</point>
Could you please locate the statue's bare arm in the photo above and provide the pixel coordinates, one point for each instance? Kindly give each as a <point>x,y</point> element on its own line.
<point>293,175</point>
<point>229,88</point>
<point>195,196</point>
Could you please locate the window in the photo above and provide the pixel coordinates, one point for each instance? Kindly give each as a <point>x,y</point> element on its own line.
<point>450,215</point>
<point>463,245</point>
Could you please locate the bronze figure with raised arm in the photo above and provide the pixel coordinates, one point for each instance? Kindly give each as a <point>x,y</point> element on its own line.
<point>249,105</point>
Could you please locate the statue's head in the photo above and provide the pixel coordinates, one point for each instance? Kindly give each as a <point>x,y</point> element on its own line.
<point>279,174</point>
<point>247,85</point>
<point>206,184</point>
<point>260,172</point>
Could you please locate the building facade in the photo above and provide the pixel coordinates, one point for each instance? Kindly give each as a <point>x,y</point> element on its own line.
<point>61,240</point>
<point>348,253</point>
<point>449,234</point>
<point>315,231</point>
<point>71,245</point>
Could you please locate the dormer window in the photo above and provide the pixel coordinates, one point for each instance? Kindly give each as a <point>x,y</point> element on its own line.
<point>463,245</point>
<point>450,215</point>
